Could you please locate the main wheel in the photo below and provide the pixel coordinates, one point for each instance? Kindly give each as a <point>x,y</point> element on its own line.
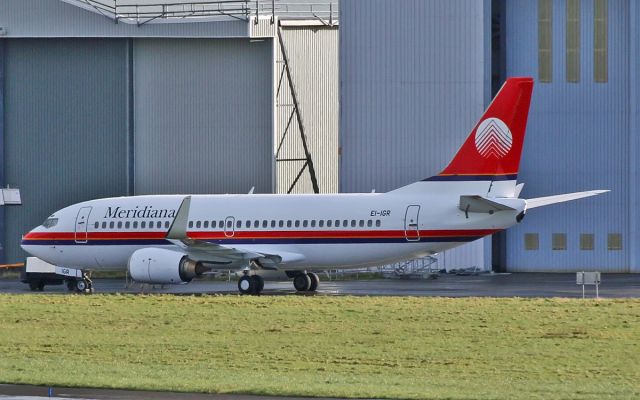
<point>302,282</point>
<point>33,285</point>
<point>315,281</point>
<point>71,285</point>
<point>40,286</point>
<point>258,282</point>
<point>246,285</point>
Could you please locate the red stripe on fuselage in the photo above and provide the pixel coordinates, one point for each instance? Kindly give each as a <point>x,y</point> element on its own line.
<point>293,234</point>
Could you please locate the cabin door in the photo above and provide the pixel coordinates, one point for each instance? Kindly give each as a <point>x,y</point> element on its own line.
<point>229,226</point>
<point>411,229</point>
<point>82,224</point>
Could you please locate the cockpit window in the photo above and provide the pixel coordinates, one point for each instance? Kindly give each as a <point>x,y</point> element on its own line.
<point>50,222</point>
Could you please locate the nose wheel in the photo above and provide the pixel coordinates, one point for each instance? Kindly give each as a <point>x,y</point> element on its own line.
<point>84,285</point>
<point>251,284</point>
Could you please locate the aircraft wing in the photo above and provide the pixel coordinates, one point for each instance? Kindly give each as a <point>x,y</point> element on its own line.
<point>212,253</point>
<point>561,198</point>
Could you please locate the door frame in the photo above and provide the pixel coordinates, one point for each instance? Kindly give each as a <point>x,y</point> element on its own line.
<point>80,235</point>
<point>411,228</point>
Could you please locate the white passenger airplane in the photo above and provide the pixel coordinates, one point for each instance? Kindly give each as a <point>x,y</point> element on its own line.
<point>174,238</point>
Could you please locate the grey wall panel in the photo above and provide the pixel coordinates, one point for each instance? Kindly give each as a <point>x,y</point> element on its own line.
<point>578,138</point>
<point>313,57</point>
<point>54,18</point>
<point>203,116</point>
<point>65,127</point>
<point>414,79</point>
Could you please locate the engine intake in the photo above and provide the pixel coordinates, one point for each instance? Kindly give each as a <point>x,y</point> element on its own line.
<point>153,265</point>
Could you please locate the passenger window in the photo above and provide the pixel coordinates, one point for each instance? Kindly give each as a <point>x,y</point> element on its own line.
<point>229,224</point>
<point>104,225</point>
<point>190,224</point>
<point>305,223</point>
<point>329,223</point>
<point>280,223</point>
<point>127,224</point>
<point>337,223</point>
<point>353,223</point>
<point>361,224</point>
<point>369,223</point>
<point>345,223</point>
<point>321,223</point>
<point>206,224</point>
<point>273,223</point>
<point>265,223</point>
<point>378,223</point>
<point>96,225</point>
<point>239,224</point>
<point>143,224</point>
<point>151,224</point>
<point>119,224</point>
<point>256,224</point>
<point>111,224</point>
<point>247,224</point>
<point>198,224</point>
<point>135,224</point>
<point>166,224</point>
<point>289,224</point>
<point>313,223</point>
<point>297,223</point>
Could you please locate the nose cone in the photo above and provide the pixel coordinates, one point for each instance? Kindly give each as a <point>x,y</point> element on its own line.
<point>32,242</point>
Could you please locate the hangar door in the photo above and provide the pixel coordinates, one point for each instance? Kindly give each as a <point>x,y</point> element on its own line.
<point>65,127</point>
<point>203,115</point>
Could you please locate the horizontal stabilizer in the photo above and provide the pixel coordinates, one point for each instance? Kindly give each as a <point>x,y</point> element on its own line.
<point>561,198</point>
<point>475,203</point>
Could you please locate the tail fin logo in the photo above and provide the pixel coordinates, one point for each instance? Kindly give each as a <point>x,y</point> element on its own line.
<point>493,138</point>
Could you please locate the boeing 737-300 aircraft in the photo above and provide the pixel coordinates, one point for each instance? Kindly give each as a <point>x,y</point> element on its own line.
<point>175,238</point>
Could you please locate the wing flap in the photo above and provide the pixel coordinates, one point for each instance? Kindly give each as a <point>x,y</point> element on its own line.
<point>561,198</point>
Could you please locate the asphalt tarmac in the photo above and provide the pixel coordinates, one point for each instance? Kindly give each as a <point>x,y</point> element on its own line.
<point>446,285</point>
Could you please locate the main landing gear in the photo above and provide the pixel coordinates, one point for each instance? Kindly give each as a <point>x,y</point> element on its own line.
<point>306,282</point>
<point>250,284</point>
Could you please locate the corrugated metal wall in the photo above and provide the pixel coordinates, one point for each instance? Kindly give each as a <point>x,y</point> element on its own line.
<point>578,138</point>
<point>54,18</point>
<point>203,115</point>
<point>313,58</point>
<point>65,136</point>
<point>414,78</point>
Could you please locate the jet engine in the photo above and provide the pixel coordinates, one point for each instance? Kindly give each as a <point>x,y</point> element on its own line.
<point>153,265</point>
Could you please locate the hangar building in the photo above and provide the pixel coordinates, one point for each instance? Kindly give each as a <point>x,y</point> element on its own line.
<point>125,98</point>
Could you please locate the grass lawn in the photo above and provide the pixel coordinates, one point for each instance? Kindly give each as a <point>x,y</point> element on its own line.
<point>393,347</point>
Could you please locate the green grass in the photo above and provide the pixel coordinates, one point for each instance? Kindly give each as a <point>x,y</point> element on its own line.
<point>393,347</point>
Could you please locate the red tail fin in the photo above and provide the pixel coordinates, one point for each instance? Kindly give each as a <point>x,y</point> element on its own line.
<point>493,148</point>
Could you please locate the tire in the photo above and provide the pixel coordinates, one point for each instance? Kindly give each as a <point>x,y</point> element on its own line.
<point>81,285</point>
<point>258,282</point>
<point>302,283</point>
<point>33,285</point>
<point>40,286</point>
<point>71,285</point>
<point>315,281</point>
<point>246,285</point>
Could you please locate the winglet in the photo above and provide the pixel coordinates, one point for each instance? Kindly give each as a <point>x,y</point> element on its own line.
<point>178,229</point>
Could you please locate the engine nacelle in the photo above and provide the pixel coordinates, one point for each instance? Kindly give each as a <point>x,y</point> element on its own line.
<point>152,265</point>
